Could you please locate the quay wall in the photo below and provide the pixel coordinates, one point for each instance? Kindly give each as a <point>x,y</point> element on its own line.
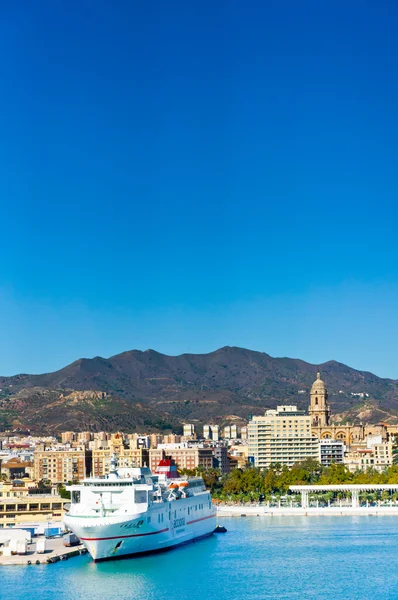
<point>265,511</point>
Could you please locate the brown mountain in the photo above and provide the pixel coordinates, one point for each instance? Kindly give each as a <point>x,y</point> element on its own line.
<point>149,391</point>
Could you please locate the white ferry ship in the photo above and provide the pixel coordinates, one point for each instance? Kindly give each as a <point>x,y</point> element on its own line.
<point>132,511</point>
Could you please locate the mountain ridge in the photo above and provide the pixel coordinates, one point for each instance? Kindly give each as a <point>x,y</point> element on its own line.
<point>142,388</point>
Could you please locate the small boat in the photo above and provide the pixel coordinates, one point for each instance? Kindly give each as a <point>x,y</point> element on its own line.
<point>220,529</point>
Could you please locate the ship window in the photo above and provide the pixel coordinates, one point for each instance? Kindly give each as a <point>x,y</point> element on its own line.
<point>140,496</point>
<point>76,497</point>
<point>149,519</point>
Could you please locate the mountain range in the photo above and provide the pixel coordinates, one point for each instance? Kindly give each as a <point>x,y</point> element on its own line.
<point>150,391</point>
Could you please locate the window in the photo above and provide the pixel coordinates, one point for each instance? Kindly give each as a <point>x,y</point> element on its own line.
<point>140,496</point>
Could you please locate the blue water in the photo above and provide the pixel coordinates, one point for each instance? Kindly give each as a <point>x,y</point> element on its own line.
<point>350,558</point>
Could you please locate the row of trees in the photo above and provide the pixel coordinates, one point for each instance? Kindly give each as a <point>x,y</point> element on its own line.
<point>253,484</point>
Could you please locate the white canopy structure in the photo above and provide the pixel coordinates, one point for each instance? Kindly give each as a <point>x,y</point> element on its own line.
<point>353,489</point>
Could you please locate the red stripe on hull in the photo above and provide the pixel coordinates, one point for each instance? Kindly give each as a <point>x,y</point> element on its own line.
<point>202,519</point>
<point>155,551</point>
<point>119,537</point>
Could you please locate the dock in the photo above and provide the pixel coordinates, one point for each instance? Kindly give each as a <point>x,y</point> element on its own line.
<point>55,551</point>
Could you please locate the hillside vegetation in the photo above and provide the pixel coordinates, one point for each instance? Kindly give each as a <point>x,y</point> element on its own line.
<point>148,391</point>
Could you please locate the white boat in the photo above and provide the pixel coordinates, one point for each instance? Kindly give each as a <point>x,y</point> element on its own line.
<point>132,511</point>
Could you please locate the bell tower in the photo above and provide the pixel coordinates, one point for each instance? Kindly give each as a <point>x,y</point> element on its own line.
<point>319,408</point>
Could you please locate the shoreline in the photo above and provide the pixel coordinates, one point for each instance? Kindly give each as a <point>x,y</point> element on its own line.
<point>265,511</point>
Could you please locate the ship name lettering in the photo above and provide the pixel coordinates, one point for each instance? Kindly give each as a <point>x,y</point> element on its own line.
<point>133,525</point>
<point>179,522</point>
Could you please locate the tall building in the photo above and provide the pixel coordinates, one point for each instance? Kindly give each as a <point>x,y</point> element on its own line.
<point>155,439</point>
<point>67,437</point>
<point>61,466</point>
<point>189,430</point>
<point>351,435</point>
<point>84,437</point>
<point>221,460</point>
<point>319,407</point>
<point>211,432</point>
<point>281,436</point>
<point>231,432</point>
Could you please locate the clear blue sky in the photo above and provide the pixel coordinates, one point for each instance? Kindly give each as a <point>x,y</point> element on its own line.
<point>183,176</point>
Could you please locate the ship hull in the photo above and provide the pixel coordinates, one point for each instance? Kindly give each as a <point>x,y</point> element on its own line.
<point>156,551</point>
<point>112,538</point>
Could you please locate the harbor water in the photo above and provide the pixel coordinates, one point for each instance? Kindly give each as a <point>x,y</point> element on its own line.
<point>350,558</point>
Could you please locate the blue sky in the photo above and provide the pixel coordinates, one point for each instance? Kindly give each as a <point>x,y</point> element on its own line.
<point>183,176</point>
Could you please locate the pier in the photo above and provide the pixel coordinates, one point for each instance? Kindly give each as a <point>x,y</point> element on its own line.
<point>54,552</point>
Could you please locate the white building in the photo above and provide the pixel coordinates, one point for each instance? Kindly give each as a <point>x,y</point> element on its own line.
<point>331,451</point>
<point>189,430</point>
<point>281,436</point>
<point>231,432</point>
<point>211,432</point>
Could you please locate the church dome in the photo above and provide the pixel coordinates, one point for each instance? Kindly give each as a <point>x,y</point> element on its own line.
<point>318,385</point>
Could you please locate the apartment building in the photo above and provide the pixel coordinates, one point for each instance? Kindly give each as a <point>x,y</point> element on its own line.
<point>221,460</point>
<point>126,451</point>
<point>189,431</point>
<point>374,454</point>
<point>185,458</point>
<point>230,432</point>
<point>281,436</point>
<point>331,451</point>
<point>61,466</point>
<point>127,457</point>
<point>211,432</point>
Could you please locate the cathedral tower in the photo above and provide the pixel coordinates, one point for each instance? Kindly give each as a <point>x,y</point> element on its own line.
<point>319,407</point>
